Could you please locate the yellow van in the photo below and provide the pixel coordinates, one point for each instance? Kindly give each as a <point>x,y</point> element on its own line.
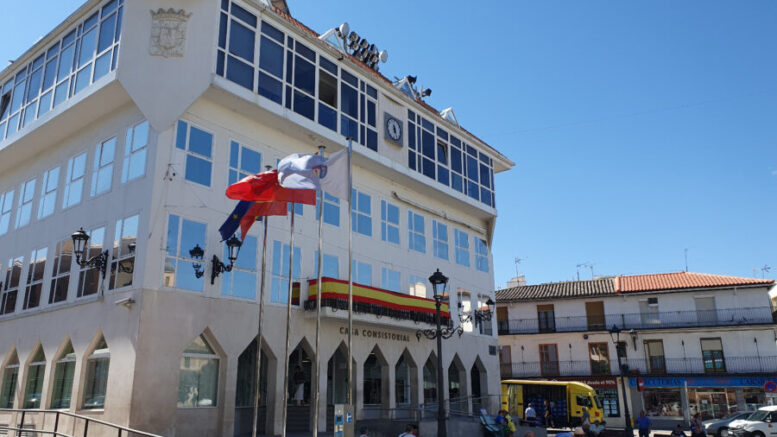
<point>565,399</point>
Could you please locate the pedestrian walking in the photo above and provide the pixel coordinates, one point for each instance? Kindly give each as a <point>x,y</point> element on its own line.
<point>697,427</point>
<point>529,415</point>
<point>548,415</point>
<point>644,424</point>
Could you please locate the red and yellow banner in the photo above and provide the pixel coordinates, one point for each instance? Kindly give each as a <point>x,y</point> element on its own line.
<point>338,289</point>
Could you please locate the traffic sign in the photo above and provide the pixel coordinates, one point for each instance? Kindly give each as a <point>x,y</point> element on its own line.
<point>770,387</point>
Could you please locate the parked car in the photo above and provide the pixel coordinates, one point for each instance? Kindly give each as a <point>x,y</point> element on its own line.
<point>759,424</point>
<point>718,427</point>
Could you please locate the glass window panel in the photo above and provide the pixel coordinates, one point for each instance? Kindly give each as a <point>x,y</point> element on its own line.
<point>86,51</point>
<point>304,105</point>
<point>244,15</point>
<point>48,194</point>
<point>271,57</point>
<point>240,73</point>
<point>74,180</point>
<point>349,100</point>
<point>241,41</point>
<point>6,205</point>
<point>102,170</point>
<point>200,142</point>
<point>270,88</point>
<point>83,78</point>
<point>272,32</point>
<point>24,207</point>
<point>106,33</point>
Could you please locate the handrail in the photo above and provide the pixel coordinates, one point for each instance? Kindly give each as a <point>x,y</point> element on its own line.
<point>33,431</point>
<point>24,411</point>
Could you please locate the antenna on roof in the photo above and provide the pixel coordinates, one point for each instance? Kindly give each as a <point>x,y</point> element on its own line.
<point>518,261</point>
<point>686,259</point>
<point>764,270</point>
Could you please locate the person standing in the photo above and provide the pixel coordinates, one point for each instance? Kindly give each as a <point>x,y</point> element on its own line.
<point>644,424</point>
<point>299,385</point>
<point>530,415</point>
<point>548,415</point>
<point>678,432</point>
<point>697,427</point>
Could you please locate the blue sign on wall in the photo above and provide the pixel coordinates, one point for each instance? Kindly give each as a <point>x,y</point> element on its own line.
<point>701,381</point>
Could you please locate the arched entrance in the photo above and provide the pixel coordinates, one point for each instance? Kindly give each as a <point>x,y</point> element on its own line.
<point>337,382</point>
<point>299,389</point>
<point>405,386</point>
<point>479,379</point>
<point>376,380</point>
<point>457,387</point>
<point>430,386</point>
<point>245,388</point>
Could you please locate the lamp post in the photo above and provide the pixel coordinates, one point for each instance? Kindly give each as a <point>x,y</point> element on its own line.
<point>439,333</point>
<point>615,335</point>
<point>480,315</point>
<point>100,262</point>
<point>217,266</point>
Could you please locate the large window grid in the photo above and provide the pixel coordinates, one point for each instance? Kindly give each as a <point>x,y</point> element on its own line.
<point>389,222</point>
<point>134,164</point>
<point>123,256</point>
<point>199,376</point>
<point>331,209</point>
<point>481,255</point>
<point>462,247</point>
<point>389,279</point>
<point>24,208</point>
<point>102,169</point>
<point>64,369</point>
<point>74,180</point>
<point>241,281</point>
<point>34,386</point>
<point>81,57</point>
<point>243,162</point>
<point>289,73</point>
<point>13,276</point>
<point>6,205</point>
<point>198,145</point>
<point>60,273</point>
<point>445,158</point>
<point>35,273</point>
<point>361,213</point>
<point>279,289</point>
<point>89,276</point>
<point>48,193</point>
<point>416,235</point>
<point>10,379</point>
<point>331,266</point>
<point>440,238</point>
<point>182,236</point>
<point>96,382</point>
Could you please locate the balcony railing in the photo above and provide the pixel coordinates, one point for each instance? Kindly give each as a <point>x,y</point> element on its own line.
<point>642,366</point>
<point>641,321</point>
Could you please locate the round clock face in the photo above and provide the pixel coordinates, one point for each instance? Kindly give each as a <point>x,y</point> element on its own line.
<point>394,129</point>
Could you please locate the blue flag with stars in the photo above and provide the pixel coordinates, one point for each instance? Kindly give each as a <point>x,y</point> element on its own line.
<point>232,223</point>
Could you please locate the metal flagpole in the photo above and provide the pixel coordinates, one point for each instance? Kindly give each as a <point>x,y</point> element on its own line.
<point>350,274</point>
<point>288,325</point>
<point>254,431</point>
<point>318,304</point>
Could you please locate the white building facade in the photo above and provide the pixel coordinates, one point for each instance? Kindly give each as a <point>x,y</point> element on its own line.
<point>695,342</point>
<point>129,120</point>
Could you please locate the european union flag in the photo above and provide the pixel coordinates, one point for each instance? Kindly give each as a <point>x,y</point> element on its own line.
<point>232,222</point>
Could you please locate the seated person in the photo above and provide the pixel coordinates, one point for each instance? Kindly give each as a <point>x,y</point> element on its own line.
<point>678,432</point>
<point>596,428</point>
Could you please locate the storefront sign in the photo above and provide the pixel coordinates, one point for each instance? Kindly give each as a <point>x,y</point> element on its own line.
<point>376,334</point>
<point>700,382</point>
<point>596,383</point>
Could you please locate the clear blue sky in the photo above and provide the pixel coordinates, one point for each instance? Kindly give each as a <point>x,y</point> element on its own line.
<point>638,129</point>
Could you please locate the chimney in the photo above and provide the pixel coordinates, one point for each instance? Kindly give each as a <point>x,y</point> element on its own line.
<point>518,281</point>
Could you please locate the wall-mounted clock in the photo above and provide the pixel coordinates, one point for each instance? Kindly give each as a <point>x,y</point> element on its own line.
<point>393,128</point>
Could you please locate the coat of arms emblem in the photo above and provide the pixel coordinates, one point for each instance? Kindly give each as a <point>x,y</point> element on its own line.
<point>168,32</point>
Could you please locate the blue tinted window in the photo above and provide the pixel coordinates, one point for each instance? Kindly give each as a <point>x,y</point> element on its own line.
<point>389,279</point>
<point>389,222</point>
<point>327,65</point>
<point>362,273</point>
<point>199,146</point>
<point>200,142</point>
<point>241,41</point>
<point>349,100</point>
<point>304,75</point>
<point>462,248</point>
<point>331,266</point>
<point>271,57</point>
<point>272,32</point>
<point>88,42</point>
<point>270,88</point>
<point>106,33</point>
<point>327,117</point>
<point>481,255</point>
<point>240,72</point>
<point>417,236</point>
<point>244,15</point>
<point>179,266</point>
<point>304,105</point>
<point>440,238</point>
<point>361,215</point>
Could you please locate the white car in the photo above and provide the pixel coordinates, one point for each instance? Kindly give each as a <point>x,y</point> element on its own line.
<point>763,423</point>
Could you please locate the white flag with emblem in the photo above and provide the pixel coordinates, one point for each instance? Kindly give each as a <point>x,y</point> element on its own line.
<point>307,171</point>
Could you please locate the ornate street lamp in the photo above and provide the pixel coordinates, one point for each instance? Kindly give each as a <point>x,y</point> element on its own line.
<point>233,245</point>
<point>217,266</point>
<point>197,253</point>
<point>100,262</point>
<point>480,315</point>
<point>439,280</point>
<point>615,335</point>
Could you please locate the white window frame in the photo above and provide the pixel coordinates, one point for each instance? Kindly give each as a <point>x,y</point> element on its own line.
<point>6,206</point>
<point>48,193</point>
<point>413,232</point>
<point>102,166</point>
<point>135,151</point>
<point>462,247</point>
<point>24,204</point>
<point>386,224</point>
<point>74,183</point>
<point>440,239</point>
<point>389,277</point>
<point>481,256</point>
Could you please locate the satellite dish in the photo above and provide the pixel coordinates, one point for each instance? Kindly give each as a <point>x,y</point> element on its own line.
<point>383,56</point>
<point>344,29</point>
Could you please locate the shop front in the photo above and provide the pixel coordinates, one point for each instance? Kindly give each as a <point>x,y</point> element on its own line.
<point>676,399</point>
<point>608,392</point>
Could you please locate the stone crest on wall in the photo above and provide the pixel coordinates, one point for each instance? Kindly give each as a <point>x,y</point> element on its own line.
<point>168,32</point>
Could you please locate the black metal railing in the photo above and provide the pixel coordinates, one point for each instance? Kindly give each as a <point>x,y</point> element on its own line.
<point>642,366</point>
<point>58,423</point>
<point>641,321</point>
